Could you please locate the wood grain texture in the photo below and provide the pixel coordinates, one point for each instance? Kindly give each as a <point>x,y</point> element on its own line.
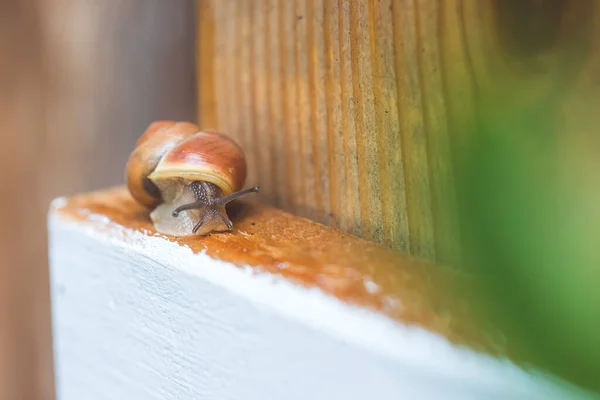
<point>356,113</point>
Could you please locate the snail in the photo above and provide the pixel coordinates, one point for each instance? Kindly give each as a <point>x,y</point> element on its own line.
<point>186,176</point>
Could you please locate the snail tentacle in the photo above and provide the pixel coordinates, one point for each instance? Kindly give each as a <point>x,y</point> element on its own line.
<point>233,196</point>
<point>198,225</point>
<point>190,206</point>
<point>227,222</point>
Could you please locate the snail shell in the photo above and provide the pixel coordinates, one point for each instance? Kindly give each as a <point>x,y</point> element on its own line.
<point>187,176</point>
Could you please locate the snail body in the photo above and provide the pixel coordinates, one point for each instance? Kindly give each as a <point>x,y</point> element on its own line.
<point>186,176</point>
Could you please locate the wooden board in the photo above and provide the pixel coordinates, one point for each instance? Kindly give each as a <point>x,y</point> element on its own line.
<point>280,307</point>
<point>357,114</point>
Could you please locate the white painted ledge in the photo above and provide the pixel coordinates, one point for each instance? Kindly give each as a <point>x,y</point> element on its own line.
<point>137,316</point>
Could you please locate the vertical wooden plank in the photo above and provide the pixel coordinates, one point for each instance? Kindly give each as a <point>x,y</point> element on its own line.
<point>441,173</point>
<point>350,220</point>
<point>262,143</point>
<point>318,109</point>
<point>208,60</point>
<point>293,177</point>
<point>389,157</point>
<point>333,96</point>
<point>220,90</point>
<point>231,119</point>
<point>369,104</point>
<point>366,129</point>
<point>302,110</point>
<point>392,182</point>
<point>459,85</point>
<point>274,100</point>
<point>412,126</point>
<point>244,70</point>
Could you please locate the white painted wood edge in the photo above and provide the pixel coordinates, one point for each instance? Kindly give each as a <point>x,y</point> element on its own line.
<point>78,248</point>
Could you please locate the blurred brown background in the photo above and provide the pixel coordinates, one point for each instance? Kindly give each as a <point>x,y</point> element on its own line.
<point>79,81</point>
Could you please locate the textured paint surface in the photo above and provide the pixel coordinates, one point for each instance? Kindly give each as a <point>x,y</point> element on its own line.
<point>139,316</point>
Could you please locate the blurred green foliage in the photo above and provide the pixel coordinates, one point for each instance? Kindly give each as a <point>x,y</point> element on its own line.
<point>532,226</point>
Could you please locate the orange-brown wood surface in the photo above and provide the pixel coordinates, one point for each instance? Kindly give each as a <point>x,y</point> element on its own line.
<point>355,113</point>
<point>313,255</point>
